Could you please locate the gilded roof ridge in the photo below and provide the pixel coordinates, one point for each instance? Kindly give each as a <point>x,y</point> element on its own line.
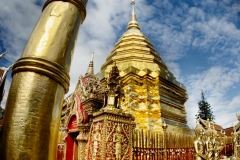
<point>5,72</point>
<point>1,55</point>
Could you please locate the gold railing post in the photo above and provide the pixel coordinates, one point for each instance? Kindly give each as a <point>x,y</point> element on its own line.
<point>164,126</point>
<point>82,139</point>
<point>40,80</point>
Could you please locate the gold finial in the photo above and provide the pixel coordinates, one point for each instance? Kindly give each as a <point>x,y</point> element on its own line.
<point>133,3</point>
<point>133,21</point>
<point>238,116</point>
<point>164,126</point>
<point>234,128</point>
<point>92,56</point>
<point>90,67</point>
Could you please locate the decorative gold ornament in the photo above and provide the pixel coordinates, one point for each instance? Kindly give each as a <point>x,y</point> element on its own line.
<point>236,138</point>
<point>118,138</point>
<point>208,143</point>
<point>114,135</point>
<point>114,90</point>
<point>149,144</point>
<point>96,141</point>
<point>111,130</point>
<point>199,143</point>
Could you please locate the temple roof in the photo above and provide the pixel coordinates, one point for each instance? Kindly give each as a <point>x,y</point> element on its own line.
<point>217,127</point>
<point>88,87</point>
<point>229,131</point>
<point>134,50</point>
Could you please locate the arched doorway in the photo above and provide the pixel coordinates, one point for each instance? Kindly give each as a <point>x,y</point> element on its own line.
<point>71,142</point>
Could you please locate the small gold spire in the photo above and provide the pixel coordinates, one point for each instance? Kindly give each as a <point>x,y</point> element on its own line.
<point>133,21</point>
<point>90,67</point>
<point>133,3</point>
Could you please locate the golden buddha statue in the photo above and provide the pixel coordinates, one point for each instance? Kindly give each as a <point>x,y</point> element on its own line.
<point>199,144</point>
<point>210,143</point>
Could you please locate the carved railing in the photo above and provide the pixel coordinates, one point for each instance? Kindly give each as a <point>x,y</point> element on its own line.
<point>179,141</point>
<point>180,154</point>
<point>149,145</point>
<point>158,153</point>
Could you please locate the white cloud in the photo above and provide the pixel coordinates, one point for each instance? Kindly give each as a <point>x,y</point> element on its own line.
<point>235,103</point>
<point>17,21</point>
<point>216,82</point>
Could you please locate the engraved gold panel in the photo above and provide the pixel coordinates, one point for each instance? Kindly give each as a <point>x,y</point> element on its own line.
<point>142,101</point>
<point>110,136</point>
<point>30,128</point>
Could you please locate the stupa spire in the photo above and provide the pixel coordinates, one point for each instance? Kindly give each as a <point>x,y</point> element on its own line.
<point>133,10</point>
<point>90,67</point>
<point>133,20</point>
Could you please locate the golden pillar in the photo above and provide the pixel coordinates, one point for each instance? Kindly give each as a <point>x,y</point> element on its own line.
<point>82,139</point>
<point>164,126</point>
<point>40,80</point>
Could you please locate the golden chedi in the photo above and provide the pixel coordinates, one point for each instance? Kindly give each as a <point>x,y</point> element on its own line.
<point>152,93</point>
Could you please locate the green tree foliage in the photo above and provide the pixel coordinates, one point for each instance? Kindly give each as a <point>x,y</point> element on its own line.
<point>205,110</point>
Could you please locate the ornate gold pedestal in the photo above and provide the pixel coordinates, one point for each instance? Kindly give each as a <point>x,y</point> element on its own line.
<point>82,141</point>
<point>40,80</point>
<point>111,136</point>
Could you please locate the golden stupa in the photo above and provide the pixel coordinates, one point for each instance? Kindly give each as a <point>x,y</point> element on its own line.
<point>134,80</point>
<point>152,93</point>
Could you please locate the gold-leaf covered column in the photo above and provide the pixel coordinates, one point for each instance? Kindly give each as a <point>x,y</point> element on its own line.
<point>40,80</point>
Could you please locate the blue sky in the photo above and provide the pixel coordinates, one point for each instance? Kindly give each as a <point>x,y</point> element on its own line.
<point>198,40</point>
